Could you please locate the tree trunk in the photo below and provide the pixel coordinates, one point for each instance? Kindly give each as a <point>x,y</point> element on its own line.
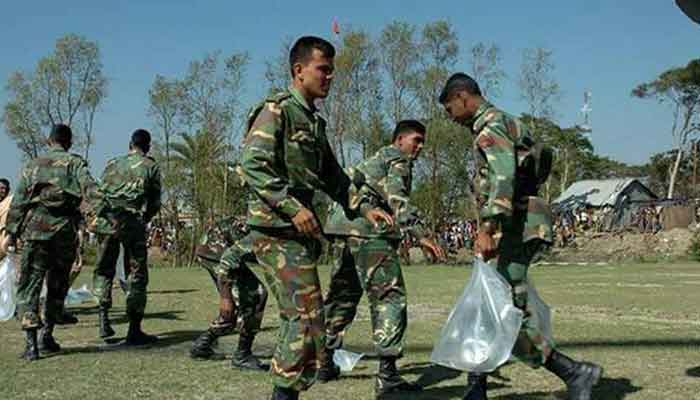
<point>674,173</point>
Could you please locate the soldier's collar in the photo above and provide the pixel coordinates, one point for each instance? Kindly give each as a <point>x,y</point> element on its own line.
<point>476,121</point>
<point>137,151</point>
<point>299,98</point>
<point>57,148</point>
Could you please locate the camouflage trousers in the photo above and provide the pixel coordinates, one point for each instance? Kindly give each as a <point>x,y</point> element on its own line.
<point>249,293</point>
<point>50,260</point>
<point>512,263</point>
<point>131,235</point>
<point>371,265</point>
<point>289,261</point>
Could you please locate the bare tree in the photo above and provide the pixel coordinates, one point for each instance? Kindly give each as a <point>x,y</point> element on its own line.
<point>538,87</point>
<point>399,55</point>
<point>486,69</point>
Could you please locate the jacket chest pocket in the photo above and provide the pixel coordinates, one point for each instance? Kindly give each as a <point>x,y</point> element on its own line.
<point>302,152</point>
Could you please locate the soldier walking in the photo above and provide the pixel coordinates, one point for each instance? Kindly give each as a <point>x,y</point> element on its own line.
<point>286,158</point>
<point>367,258</point>
<point>514,223</point>
<point>44,213</point>
<point>132,191</point>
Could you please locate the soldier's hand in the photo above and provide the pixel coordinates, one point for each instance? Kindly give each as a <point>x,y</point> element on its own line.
<point>437,252</point>
<point>377,215</point>
<point>305,222</point>
<point>485,245</point>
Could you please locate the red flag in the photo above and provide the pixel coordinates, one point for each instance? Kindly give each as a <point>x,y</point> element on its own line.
<point>336,27</point>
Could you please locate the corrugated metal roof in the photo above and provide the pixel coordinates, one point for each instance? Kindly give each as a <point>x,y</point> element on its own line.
<point>597,193</point>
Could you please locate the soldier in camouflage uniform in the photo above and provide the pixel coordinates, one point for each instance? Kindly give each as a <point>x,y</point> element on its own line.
<point>132,190</point>
<point>286,158</point>
<point>515,223</point>
<point>241,292</point>
<point>367,258</point>
<point>44,214</point>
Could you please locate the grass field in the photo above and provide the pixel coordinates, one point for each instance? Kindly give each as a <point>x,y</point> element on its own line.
<point>641,322</point>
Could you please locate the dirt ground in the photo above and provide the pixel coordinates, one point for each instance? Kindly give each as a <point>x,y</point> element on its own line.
<point>626,246</point>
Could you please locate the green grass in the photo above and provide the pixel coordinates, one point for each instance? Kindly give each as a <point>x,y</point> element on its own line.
<point>641,322</point>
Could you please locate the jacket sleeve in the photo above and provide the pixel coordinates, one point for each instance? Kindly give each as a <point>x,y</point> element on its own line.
<point>89,190</point>
<point>153,194</point>
<point>262,161</point>
<point>498,149</point>
<point>398,194</point>
<point>20,205</point>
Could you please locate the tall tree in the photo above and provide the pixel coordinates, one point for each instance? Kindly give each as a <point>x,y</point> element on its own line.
<point>538,86</point>
<point>67,87</point>
<point>680,89</point>
<point>399,56</point>
<point>486,68</point>
<point>539,89</point>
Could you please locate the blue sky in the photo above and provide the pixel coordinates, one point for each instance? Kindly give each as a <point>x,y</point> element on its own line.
<point>604,46</point>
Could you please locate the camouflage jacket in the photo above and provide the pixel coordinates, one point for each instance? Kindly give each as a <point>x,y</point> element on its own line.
<point>389,174</point>
<point>286,157</point>
<point>131,184</point>
<point>49,194</point>
<point>499,153</point>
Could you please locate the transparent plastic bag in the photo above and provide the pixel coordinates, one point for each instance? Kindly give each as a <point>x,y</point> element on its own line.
<point>346,360</point>
<point>482,328</point>
<point>539,312</point>
<point>121,271</point>
<point>8,287</point>
<point>78,296</point>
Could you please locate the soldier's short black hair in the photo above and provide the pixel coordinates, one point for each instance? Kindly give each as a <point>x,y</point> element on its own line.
<point>61,133</point>
<point>408,126</point>
<point>304,47</point>
<point>458,82</point>
<point>5,182</point>
<point>141,138</point>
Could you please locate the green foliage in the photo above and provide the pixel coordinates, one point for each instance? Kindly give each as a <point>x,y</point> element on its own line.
<point>67,87</point>
<point>694,248</point>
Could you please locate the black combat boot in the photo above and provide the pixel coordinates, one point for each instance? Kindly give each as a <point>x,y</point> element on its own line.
<point>203,347</point>
<point>284,394</point>
<point>580,377</point>
<point>476,387</point>
<point>135,336</point>
<point>105,326</point>
<point>47,344</point>
<point>243,357</point>
<point>328,371</point>
<point>31,350</point>
<point>389,380</point>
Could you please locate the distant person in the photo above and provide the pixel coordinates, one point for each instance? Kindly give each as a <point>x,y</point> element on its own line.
<point>44,213</point>
<point>515,223</point>
<point>132,192</point>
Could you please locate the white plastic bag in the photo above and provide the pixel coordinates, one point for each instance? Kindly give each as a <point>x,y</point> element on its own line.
<point>78,296</point>
<point>540,312</point>
<point>8,287</point>
<point>121,273</point>
<point>482,328</point>
<point>346,360</point>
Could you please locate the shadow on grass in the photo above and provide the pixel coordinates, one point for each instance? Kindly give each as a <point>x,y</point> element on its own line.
<point>631,343</point>
<point>173,291</point>
<point>166,315</point>
<point>166,339</point>
<point>693,372</point>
